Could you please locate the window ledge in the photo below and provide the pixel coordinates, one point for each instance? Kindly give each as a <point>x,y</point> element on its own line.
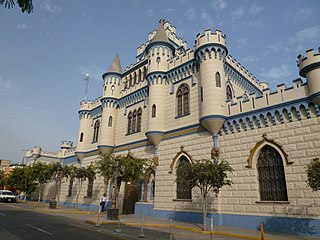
<point>133,133</point>
<point>184,115</point>
<point>273,202</point>
<point>182,200</point>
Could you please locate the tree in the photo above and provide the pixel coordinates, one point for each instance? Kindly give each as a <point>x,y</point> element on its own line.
<point>121,168</point>
<point>22,178</point>
<point>25,5</point>
<point>58,173</point>
<point>42,174</point>
<point>3,179</point>
<point>83,173</point>
<point>313,174</point>
<point>207,176</point>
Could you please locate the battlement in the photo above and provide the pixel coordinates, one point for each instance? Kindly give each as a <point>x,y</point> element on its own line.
<point>181,59</point>
<point>171,33</point>
<point>89,105</point>
<point>66,144</point>
<point>210,37</point>
<point>309,62</point>
<point>243,71</point>
<point>240,105</point>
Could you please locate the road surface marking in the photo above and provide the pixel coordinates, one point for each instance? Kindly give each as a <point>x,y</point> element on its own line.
<point>39,229</point>
<point>2,214</point>
<point>105,233</point>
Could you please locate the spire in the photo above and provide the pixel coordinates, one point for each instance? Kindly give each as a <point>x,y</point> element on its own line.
<point>160,35</point>
<point>115,67</point>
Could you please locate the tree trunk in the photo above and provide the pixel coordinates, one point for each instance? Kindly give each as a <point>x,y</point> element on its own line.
<point>115,193</point>
<point>204,208</point>
<point>59,192</point>
<point>80,181</point>
<point>39,193</point>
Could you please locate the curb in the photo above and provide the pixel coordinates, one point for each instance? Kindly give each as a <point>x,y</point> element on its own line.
<point>179,227</point>
<point>63,211</point>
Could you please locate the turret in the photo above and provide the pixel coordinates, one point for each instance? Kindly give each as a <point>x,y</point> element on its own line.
<point>309,67</point>
<point>159,50</point>
<point>84,141</point>
<point>210,52</point>
<point>109,103</point>
<point>36,153</point>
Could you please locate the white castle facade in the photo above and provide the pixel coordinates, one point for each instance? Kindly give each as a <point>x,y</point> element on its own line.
<point>178,104</point>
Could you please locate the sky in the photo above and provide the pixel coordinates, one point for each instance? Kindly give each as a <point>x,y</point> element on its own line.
<point>45,55</point>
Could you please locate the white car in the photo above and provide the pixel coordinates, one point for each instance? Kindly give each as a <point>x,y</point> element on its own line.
<point>7,196</point>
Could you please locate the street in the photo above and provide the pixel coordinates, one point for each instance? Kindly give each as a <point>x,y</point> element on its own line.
<point>20,221</point>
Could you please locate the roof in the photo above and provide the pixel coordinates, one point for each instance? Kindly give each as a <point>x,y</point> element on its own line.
<point>161,35</point>
<point>115,66</point>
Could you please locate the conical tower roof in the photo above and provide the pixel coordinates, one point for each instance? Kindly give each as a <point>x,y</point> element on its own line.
<point>160,35</point>
<point>115,67</point>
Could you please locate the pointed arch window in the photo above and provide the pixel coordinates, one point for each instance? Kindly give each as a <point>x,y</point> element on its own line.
<point>139,117</point>
<point>218,79</point>
<point>229,93</point>
<point>110,121</point>
<point>154,111</point>
<point>184,191</point>
<point>272,182</point>
<point>183,100</point>
<point>81,137</point>
<point>96,131</point>
<point>129,122</point>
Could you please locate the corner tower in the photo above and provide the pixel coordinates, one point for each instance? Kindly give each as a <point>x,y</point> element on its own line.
<point>159,50</point>
<point>210,53</point>
<point>109,104</point>
<point>309,67</point>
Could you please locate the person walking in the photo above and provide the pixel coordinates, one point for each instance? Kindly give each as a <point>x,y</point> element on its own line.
<point>103,201</point>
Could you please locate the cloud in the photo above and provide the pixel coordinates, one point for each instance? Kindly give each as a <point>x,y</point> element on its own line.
<point>218,4</point>
<point>276,73</point>
<point>50,7</point>
<point>237,13</point>
<point>190,14</point>
<point>150,12</point>
<point>22,26</point>
<point>206,19</point>
<point>240,43</point>
<point>255,9</point>
<point>249,59</point>
<point>5,86</point>
<point>303,14</point>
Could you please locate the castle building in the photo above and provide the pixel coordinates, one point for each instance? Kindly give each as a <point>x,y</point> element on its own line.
<point>178,104</point>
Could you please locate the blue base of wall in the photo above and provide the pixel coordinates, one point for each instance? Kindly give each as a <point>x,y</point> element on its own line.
<point>87,207</point>
<point>296,226</point>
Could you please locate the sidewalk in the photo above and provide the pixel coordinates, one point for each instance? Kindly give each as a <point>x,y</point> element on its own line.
<point>156,224</point>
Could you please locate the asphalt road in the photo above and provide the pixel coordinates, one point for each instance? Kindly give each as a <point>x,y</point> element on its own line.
<point>17,223</point>
<point>20,222</point>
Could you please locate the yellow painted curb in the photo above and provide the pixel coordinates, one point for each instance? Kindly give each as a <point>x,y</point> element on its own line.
<point>62,211</point>
<point>180,227</point>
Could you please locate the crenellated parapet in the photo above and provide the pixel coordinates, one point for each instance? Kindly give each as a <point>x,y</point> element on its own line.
<point>309,67</point>
<point>241,76</point>
<point>89,105</point>
<point>211,45</point>
<point>287,104</point>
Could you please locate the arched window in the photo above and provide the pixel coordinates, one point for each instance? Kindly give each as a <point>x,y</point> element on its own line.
<point>90,187</point>
<point>218,79</point>
<point>229,93</point>
<point>96,131</point>
<point>183,189</point>
<point>130,81</point>
<point>110,122</point>
<point>129,122</point>
<point>154,111</point>
<point>81,137</point>
<point>139,116</point>
<point>183,100</point>
<point>70,187</point>
<point>134,121</point>
<point>272,182</point>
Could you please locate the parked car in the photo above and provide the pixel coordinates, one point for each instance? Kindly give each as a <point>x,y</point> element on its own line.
<point>7,196</point>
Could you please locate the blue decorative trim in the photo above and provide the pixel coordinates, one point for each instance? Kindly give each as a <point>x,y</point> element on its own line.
<point>105,146</point>
<point>159,43</point>
<point>314,95</point>
<point>207,45</point>
<point>136,67</point>
<point>213,117</point>
<point>154,132</point>
<point>111,73</point>
<point>309,68</point>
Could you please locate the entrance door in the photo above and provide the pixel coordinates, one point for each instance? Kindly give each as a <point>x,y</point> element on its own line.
<point>131,196</point>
